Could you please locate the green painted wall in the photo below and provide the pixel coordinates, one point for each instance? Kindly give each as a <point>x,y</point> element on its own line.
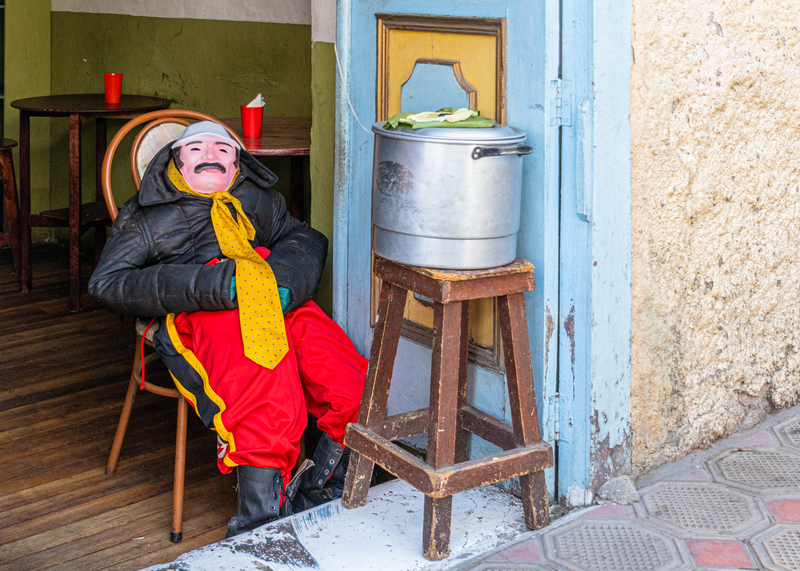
<point>27,74</point>
<point>203,65</point>
<point>323,98</point>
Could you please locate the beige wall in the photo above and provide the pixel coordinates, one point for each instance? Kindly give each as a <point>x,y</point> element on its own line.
<point>715,116</point>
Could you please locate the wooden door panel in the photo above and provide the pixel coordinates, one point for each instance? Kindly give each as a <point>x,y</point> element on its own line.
<point>474,48</point>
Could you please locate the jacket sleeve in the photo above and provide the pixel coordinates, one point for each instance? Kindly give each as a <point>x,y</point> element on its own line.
<point>297,251</point>
<point>128,282</point>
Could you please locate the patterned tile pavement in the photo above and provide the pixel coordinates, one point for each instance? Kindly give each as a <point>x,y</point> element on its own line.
<point>735,507</point>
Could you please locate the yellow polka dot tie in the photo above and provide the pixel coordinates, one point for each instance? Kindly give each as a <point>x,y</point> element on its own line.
<point>260,313</point>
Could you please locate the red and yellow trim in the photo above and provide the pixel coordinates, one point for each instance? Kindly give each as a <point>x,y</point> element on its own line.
<point>194,362</point>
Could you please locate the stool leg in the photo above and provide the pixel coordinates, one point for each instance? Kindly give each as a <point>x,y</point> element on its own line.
<point>436,528</point>
<point>12,209</point>
<point>443,418</point>
<point>376,388</point>
<point>522,398</point>
<point>463,370</point>
<point>176,534</point>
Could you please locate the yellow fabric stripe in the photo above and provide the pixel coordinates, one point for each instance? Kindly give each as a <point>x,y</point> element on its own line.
<point>181,389</point>
<point>198,366</point>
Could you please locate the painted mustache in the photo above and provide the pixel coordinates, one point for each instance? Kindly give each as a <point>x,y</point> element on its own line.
<point>209,166</point>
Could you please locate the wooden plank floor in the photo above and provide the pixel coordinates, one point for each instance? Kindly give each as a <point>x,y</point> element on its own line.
<point>63,378</point>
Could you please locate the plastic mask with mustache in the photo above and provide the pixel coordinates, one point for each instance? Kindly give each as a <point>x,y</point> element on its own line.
<point>208,163</point>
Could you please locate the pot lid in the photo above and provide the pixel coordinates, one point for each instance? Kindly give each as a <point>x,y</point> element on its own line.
<point>498,135</point>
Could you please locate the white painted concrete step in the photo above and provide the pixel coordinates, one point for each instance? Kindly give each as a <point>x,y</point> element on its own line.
<point>384,535</point>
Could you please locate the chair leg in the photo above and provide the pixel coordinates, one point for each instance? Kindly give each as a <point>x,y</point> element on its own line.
<point>180,472</point>
<point>126,410</point>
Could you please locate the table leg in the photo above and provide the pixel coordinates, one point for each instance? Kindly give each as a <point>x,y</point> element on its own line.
<point>443,418</point>
<point>100,153</point>
<point>74,212</point>
<point>522,401</point>
<point>296,190</point>
<point>25,199</point>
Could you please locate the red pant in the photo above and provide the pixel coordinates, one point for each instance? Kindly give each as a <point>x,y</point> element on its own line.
<point>260,414</point>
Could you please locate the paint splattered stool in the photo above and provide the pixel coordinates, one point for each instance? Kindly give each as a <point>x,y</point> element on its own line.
<point>449,418</point>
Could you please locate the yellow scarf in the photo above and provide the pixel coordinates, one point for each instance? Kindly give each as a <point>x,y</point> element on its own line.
<point>260,313</point>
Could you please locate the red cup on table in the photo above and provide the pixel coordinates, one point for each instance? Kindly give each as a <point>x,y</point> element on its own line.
<point>252,118</point>
<point>113,85</point>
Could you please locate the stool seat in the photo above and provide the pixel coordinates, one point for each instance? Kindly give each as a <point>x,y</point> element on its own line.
<point>448,418</point>
<point>446,286</point>
<point>10,203</point>
<point>7,144</point>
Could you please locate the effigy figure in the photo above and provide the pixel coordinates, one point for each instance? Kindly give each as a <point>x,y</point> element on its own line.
<point>208,248</point>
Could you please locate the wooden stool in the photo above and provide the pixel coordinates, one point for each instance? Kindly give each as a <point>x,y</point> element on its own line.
<point>448,418</point>
<point>12,238</point>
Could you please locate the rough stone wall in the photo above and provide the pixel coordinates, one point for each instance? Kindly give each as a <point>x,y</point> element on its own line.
<point>715,115</point>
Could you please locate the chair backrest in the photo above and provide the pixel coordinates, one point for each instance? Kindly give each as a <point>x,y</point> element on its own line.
<point>150,140</point>
<point>161,127</point>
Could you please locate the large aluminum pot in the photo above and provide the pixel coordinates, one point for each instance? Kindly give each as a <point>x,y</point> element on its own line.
<point>447,198</point>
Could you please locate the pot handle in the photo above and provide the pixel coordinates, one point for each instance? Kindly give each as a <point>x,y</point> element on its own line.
<point>481,152</point>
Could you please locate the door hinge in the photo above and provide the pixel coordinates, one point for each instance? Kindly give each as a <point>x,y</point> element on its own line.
<point>561,102</point>
<point>555,405</point>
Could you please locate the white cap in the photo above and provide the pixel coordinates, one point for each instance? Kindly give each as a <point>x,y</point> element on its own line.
<point>205,128</point>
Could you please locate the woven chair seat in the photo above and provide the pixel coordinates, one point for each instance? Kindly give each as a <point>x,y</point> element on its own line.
<point>141,326</point>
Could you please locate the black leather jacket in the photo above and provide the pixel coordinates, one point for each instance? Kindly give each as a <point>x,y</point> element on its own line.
<point>153,263</point>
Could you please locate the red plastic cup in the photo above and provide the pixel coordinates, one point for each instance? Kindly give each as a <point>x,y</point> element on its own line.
<point>251,121</point>
<point>113,83</point>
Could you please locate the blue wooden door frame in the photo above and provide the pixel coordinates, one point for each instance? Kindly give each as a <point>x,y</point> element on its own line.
<point>593,345</point>
<point>595,252</point>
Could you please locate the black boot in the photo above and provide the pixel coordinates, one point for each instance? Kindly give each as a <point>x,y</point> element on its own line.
<point>325,480</point>
<point>259,499</point>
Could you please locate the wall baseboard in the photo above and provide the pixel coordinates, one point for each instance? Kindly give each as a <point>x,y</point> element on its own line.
<point>272,11</point>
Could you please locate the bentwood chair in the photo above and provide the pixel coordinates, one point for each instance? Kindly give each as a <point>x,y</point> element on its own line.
<point>160,128</point>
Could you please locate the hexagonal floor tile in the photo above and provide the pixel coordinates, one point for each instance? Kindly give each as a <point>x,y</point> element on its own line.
<point>509,567</point>
<point>778,547</point>
<point>699,509</point>
<point>597,545</point>
<point>760,470</point>
<point>788,432</point>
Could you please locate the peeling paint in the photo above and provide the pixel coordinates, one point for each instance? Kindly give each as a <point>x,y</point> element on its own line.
<point>569,327</point>
<point>578,497</point>
<point>283,547</point>
<point>551,327</point>
<point>607,460</point>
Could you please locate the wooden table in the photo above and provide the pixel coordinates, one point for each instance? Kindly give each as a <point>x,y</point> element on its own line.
<point>282,137</point>
<point>78,217</point>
